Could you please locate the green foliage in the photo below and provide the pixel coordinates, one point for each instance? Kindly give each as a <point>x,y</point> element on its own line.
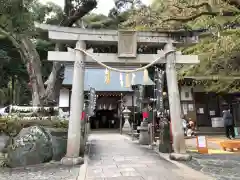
<point>11,126</point>
<point>220,59</point>
<point>18,16</point>
<point>218,49</point>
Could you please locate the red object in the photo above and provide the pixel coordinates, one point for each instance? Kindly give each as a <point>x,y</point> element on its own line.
<point>83,115</point>
<point>145,114</point>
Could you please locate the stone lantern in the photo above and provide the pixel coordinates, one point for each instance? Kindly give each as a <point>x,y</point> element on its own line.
<point>126,114</point>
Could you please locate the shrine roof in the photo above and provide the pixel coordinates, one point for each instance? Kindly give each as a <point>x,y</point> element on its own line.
<point>95,78</point>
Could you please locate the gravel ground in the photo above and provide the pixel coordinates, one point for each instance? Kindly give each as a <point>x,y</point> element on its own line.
<point>50,171</point>
<point>219,166</point>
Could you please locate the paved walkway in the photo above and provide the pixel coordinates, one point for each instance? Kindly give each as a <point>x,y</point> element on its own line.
<point>114,157</point>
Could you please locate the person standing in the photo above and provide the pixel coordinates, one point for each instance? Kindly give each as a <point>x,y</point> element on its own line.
<point>184,124</point>
<point>228,123</point>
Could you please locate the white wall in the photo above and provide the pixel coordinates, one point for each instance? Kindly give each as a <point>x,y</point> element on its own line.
<point>186,93</point>
<point>64,98</point>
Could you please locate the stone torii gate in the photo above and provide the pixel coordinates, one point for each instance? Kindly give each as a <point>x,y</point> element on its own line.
<point>127,43</point>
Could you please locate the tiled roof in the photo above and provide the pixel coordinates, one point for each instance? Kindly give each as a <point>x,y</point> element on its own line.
<point>95,78</point>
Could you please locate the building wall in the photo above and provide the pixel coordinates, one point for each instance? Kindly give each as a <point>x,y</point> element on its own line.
<point>128,100</point>
<point>64,98</point>
<point>186,93</point>
<point>196,104</point>
<point>187,102</point>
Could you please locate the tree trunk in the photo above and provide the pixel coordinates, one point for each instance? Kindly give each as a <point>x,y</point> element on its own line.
<point>54,83</point>
<point>56,77</point>
<point>55,80</point>
<point>33,64</point>
<point>31,59</point>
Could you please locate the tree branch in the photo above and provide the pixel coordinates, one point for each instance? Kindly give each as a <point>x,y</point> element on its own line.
<point>195,16</point>
<point>55,78</point>
<point>208,12</point>
<point>235,3</point>
<point>208,6</point>
<point>14,42</point>
<point>79,13</point>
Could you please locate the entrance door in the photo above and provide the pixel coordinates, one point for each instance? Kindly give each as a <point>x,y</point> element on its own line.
<point>202,115</point>
<point>202,109</point>
<point>106,119</point>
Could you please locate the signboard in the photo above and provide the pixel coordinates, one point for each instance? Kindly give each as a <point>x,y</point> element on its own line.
<point>127,44</point>
<point>159,81</point>
<point>91,102</point>
<point>202,145</point>
<point>139,97</point>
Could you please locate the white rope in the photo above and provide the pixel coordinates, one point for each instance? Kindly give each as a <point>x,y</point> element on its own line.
<point>121,70</point>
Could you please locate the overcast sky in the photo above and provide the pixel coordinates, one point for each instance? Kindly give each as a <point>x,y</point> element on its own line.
<point>103,5</point>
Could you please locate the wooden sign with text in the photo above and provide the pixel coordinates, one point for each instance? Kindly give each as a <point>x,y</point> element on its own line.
<point>202,145</point>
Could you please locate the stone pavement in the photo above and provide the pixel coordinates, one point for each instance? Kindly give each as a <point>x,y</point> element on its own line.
<point>50,171</point>
<point>114,157</point>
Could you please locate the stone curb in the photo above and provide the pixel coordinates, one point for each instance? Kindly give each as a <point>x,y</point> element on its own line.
<point>184,171</point>
<point>82,172</point>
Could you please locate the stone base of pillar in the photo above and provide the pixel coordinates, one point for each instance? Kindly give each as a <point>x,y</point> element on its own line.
<point>180,157</point>
<point>144,136</point>
<point>70,161</point>
<point>82,145</point>
<point>88,128</point>
<point>126,127</point>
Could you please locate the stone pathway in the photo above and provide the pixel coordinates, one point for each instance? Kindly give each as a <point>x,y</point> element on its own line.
<point>114,157</point>
<point>219,166</point>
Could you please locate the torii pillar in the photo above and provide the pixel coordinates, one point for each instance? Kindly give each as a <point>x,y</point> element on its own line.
<point>179,146</point>
<point>77,102</point>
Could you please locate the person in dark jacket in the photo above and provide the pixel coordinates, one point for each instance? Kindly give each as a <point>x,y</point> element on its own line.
<point>228,123</point>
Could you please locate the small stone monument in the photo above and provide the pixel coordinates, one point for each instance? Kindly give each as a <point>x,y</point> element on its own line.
<point>126,127</point>
<point>144,136</point>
